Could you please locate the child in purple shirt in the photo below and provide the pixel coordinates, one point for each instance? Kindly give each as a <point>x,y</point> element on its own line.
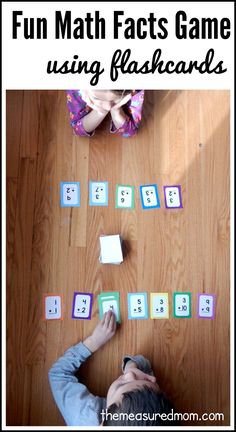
<point>88,108</point>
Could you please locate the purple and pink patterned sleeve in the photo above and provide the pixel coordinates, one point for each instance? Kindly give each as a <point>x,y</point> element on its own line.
<point>78,108</point>
<point>133,112</point>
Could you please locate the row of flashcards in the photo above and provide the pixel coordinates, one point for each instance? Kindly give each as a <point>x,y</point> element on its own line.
<point>137,305</point>
<point>98,195</point>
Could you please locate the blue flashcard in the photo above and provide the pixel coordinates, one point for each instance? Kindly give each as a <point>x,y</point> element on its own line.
<point>98,193</point>
<point>173,197</point>
<point>82,305</point>
<point>149,196</point>
<point>70,194</point>
<point>137,306</point>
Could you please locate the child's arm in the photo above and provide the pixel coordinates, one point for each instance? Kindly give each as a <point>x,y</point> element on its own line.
<point>77,405</point>
<point>127,123</point>
<point>92,120</point>
<point>99,111</point>
<point>85,115</point>
<point>102,332</point>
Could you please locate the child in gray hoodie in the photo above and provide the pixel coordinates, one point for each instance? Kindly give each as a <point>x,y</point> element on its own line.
<point>133,399</point>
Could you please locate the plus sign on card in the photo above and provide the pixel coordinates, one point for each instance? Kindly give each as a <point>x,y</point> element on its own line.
<point>173,198</point>
<point>70,194</point>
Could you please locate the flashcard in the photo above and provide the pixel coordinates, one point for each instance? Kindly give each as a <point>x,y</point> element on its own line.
<point>173,198</point>
<point>159,305</point>
<point>111,249</point>
<point>52,305</point>
<point>70,194</point>
<point>109,301</point>
<point>98,193</point>
<point>149,196</point>
<point>82,305</point>
<point>137,306</point>
<point>206,306</point>
<point>182,305</point>
<point>124,196</point>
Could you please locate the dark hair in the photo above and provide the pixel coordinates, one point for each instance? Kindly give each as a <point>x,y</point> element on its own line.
<point>144,407</point>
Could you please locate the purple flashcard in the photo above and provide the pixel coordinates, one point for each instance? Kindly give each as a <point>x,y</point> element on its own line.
<point>206,306</point>
<point>173,197</point>
<point>82,305</point>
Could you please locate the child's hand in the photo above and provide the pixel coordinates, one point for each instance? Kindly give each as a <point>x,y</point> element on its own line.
<point>104,331</point>
<point>121,102</point>
<point>102,106</point>
<point>117,114</point>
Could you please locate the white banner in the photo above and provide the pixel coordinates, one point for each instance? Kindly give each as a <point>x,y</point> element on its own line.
<point>150,45</point>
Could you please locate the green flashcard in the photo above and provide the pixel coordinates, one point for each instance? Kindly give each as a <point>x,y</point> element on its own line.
<point>182,305</point>
<point>124,196</point>
<point>109,301</point>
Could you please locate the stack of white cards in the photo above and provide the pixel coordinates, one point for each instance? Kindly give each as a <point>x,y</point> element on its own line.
<point>111,249</point>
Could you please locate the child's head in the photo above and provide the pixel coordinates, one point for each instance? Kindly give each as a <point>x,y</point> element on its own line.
<point>135,399</point>
<point>109,95</point>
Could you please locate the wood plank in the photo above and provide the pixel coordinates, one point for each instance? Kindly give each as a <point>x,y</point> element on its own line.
<point>18,296</point>
<point>14,112</point>
<point>11,200</point>
<point>30,123</point>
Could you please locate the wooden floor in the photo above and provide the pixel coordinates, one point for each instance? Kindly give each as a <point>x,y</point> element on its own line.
<point>183,139</point>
